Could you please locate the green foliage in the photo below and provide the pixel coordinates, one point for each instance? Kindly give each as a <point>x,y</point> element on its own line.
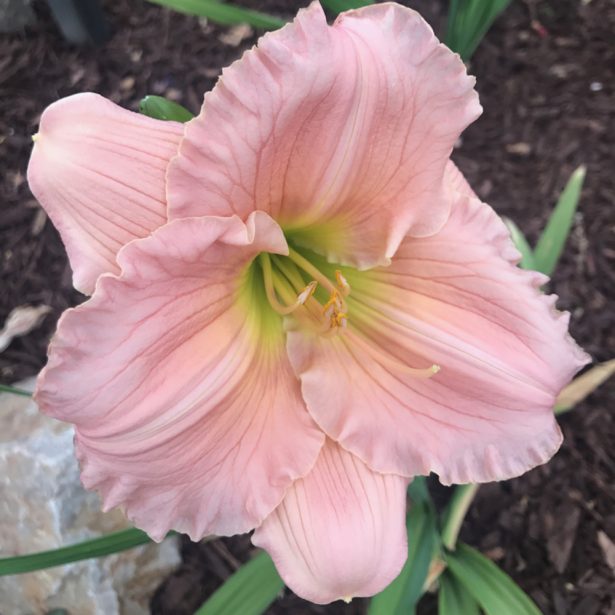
<point>522,244</point>
<point>455,513</point>
<point>162,109</point>
<point>111,543</point>
<point>546,255</point>
<point>551,243</point>
<point>220,12</point>
<point>339,6</point>
<point>468,22</point>
<point>454,598</point>
<point>248,591</point>
<point>491,587</point>
<point>402,595</point>
<point>582,386</point>
<point>15,391</point>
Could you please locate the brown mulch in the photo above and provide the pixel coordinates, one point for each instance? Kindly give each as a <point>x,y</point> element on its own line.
<point>546,74</point>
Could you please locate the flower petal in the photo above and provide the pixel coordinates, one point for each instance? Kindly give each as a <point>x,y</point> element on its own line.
<point>341,133</point>
<point>340,532</point>
<point>455,300</point>
<point>99,172</point>
<point>186,410</point>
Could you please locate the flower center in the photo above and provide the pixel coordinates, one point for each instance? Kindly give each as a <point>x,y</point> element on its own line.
<point>288,293</point>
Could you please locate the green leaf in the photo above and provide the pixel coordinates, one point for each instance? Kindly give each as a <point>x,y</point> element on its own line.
<point>226,14</point>
<point>401,596</point>
<point>339,6</point>
<point>552,241</point>
<point>111,543</point>
<point>455,513</point>
<point>454,598</point>
<point>521,243</point>
<point>248,591</point>
<point>492,588</point>
<point>468,22</point>
<point>582,386</point>
<point>15,391</point>
<point>162,109</point>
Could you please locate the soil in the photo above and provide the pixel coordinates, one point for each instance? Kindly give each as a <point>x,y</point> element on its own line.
<point>546,73</point>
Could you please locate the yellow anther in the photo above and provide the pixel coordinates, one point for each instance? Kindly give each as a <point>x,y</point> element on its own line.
<point>340,319</point>
<point>342,282</point>
<point>333,301</point>
<point>307,292</point>
<point>35,137</point>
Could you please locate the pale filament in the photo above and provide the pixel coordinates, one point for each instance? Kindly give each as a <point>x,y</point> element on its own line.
<point>270,289</point>
<point>330,317</point>
<point>392,363</point>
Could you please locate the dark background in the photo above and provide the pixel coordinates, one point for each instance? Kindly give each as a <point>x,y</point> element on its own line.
<point>546,73</point>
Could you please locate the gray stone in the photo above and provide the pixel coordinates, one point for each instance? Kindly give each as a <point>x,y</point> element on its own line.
<point>43,506</point>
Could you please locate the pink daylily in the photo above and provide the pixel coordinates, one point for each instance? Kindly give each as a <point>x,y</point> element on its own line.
<point>298,303</point>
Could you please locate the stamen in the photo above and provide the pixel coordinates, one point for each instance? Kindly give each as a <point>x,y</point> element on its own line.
<point>279,307</point>
<point>342,282</point>
<point>304,264</point>
<point>391,362</point>
<point>330,317</point>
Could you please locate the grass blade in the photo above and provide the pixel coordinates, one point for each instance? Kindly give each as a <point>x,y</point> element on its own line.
<point>339,6</point>
<point>456,512</point>
<point>249,591</point>
<point>454,598</point>
<point>552,241</point>
<point>401,596</point>
<point>97,547</point>
<point>162,109</point>
<point>468,22</point>
<point>521,243</point>
<point>582,386</point>
<point>491,587</point>
<point>4,388</point>
<point>226,14</point>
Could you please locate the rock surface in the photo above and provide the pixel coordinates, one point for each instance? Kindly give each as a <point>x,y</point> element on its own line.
<point>44,506</point>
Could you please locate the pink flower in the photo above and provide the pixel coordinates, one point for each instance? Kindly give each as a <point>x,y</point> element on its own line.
<point>298,302</point>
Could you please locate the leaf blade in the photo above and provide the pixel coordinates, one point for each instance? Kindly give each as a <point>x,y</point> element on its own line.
<point>583,386</point>
<point>160,108</point>
<point>454,598</point>
<point>248,591</point>
<point>402,595</point>
<point>522,244</point>
<point>468,21</point>
<point>96,547</point>
<point>491,587</point>
<point>551,243</point>
<point>226,14</point>
<point>339,6</point>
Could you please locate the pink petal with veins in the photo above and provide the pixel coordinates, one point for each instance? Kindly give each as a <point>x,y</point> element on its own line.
<point>456,300</point>
<point>186,413</point>
<point>341,133</point>
<point>340,532</point>
<point>99,172</point>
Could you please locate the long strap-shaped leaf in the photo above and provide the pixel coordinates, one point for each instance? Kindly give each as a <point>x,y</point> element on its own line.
<point>339,6</point>
<point>454,598</point>
<point>551,242</point>
<point>4,388</point>
<point>401,596</point>
<point>249,591</point>
<point>226,14</point>
<point>106,545</point>
<point>468,22</point>
<point>492,588</point>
